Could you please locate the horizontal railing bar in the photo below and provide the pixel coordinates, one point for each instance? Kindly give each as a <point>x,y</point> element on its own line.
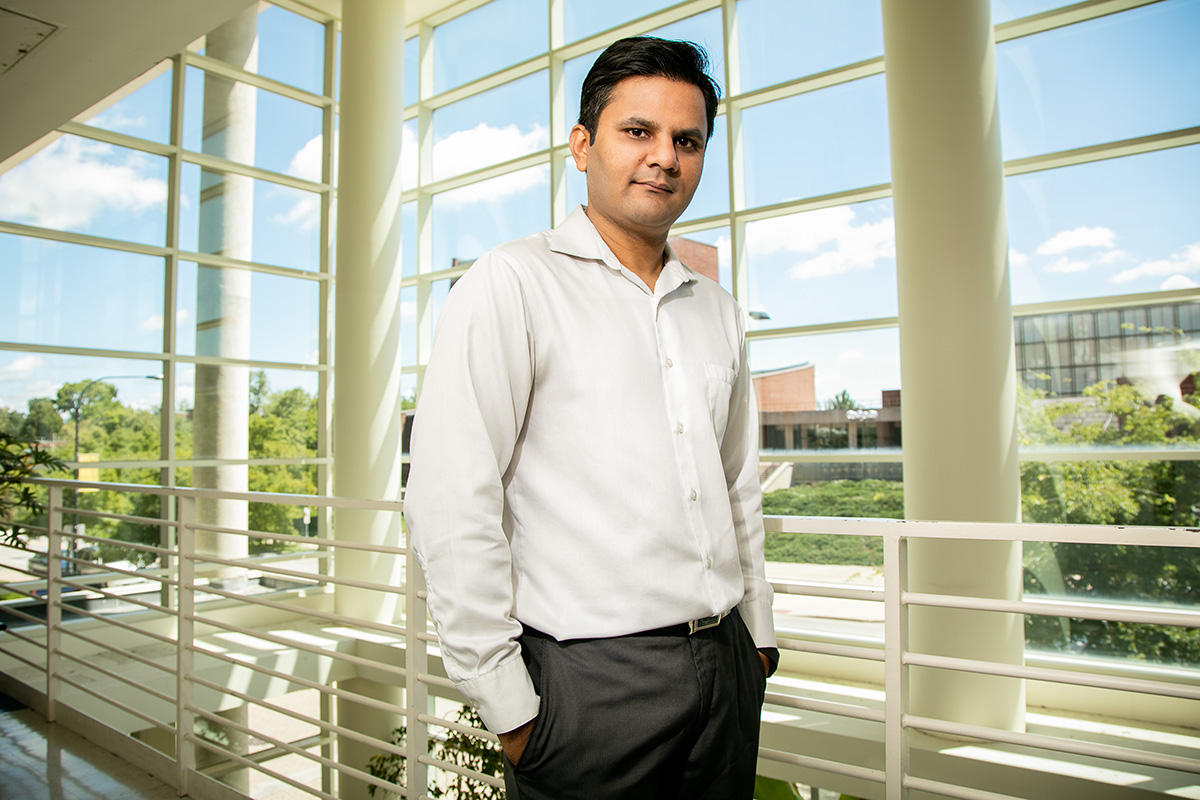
<point>953,791</point>
<point>315,577</point>
<point>1054,608</point>
<point>246,762</point>
<point>825,649</point>
<point>426,636</point>
<point>1177,691</point>
<point>345,769</point>
<point>466,730</point>
<point>112,596</point>
<point>8,587</point>
<point>378,705</point>
<point>110,674</point>
<point>128,710</point>
<point>1076,747</point>
<point>328,727</point>
<point>112,649</point>
<point>460,770</point>
<point>282,499</point>
<point>110,619</point>
<point>822,764</point>
<point>308,648</point>
<point>145,548</point>
<point>218,771</point>
<point>107,568</point>
<point>308,612</point>
<point>1147,535</point>
<point>434,680</point>
<point>870,594</point>
<point>39,667</point>
<point>24,571</point>
<point>319,541</point>
<point>22,615</point>
<point>29,641</point>
<point>98,514</point>
<point>824,707</point>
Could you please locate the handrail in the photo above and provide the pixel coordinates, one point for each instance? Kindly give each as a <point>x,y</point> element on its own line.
<point>211,626</point>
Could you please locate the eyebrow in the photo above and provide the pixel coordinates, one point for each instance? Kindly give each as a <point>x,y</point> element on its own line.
<point>641,122</point>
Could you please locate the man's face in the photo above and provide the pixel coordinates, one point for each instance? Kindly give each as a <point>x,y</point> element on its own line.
<point>645,163</point>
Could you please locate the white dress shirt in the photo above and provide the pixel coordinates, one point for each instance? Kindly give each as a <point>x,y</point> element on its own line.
<point>584,460</point>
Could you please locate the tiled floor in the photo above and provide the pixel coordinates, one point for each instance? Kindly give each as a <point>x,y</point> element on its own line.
<point>43,761</point>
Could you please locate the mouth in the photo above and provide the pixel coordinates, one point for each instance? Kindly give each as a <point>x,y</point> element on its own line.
<point>655,185</point>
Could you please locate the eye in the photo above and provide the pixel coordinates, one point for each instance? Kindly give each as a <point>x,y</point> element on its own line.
<point>637,133</point>
<point>686,143</point>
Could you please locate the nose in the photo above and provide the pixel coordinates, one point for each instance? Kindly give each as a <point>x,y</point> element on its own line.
<point>662,154</point>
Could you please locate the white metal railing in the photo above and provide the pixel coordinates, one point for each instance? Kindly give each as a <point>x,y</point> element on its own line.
<point>180,672</point>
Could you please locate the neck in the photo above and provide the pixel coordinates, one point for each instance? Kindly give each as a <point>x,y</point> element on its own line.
<point>643,255</point>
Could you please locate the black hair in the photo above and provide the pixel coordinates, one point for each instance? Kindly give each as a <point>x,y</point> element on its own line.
<point>645,56</point>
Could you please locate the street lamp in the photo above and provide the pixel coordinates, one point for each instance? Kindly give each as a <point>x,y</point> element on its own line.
<point>76,412</point>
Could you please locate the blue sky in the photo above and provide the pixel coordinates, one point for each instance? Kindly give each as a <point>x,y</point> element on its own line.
<point>1113,227</point>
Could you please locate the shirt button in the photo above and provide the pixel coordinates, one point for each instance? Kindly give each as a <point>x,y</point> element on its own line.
<point>679,429</point>
<point>670,363</point>
<point>694,495</point>
<point>708,562</point>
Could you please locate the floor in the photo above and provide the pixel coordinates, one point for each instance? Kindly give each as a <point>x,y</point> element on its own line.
<point>43,761</point>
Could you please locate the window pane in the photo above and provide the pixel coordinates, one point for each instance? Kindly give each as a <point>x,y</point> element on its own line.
<point>1119,226</point>
<point>574,72</point>
<point>142,110</point>
<point>270,131</point>
<point>279,407</point>
<point>788,158</point>
<point>494,36</point>
<point>84,186</point>
<point>1125,75</point>
<point>475,218</point>
<point>707,252</point>
<point>410,155</point>
<point>583,18</point>
<point>509,121</point>
<point>1005,10</point>
<point>286,47</point>
<point>76,296</point>
<point>830,370</point>
<point>408,326</point>
<point>248,219</point>
<point>118,402</point>
<point>816,35</point>
<point>829,265</point>
<point>238,313</point>
<point>408,239</point>
<point>412,70</point>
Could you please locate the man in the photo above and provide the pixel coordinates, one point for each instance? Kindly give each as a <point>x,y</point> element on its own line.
<point>584,496</point>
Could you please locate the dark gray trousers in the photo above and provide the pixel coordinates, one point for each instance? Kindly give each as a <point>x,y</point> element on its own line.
<point>643,716</point>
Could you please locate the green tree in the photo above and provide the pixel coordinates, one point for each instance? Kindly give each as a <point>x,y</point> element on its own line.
<point>42,421</point>
<point>842,401</point>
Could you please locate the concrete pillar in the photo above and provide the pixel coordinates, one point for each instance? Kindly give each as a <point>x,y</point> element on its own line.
<point>367,420</point>
<point>956,343</point>
<point>221,421</point>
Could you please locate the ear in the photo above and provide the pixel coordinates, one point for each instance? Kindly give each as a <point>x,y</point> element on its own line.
<point>578,142</point>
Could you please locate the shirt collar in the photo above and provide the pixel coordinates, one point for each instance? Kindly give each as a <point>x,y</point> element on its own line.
<point>577,237</point>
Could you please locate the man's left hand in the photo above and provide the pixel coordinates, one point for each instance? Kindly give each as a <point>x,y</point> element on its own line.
<point>766,663</point>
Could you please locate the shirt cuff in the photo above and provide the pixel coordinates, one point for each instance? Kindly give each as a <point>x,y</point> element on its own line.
<point>760,621</point>
<point>505,697</point>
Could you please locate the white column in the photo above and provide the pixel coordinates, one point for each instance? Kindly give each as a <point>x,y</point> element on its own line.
<point>956,343</point>
<point>367,420</point>
<point>221,427</point>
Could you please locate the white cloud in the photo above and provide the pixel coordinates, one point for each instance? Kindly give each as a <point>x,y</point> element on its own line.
<point>1178,282</point>
<point>117,119</point>
<point>838,244</point>
<point>408,310</point>
<point>483,145</point>
<point>22,367</point>
<point>304,215</point>
<point>1064,241</point>
<point>1180,262</point>
<point>850,355</point>
<point>1017,259</point>
<point>74,180</point>
<point>306,163</point>
<point>154,322</point>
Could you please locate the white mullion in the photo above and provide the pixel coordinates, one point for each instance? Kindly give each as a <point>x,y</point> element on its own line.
<point>1155,142</point>
<point>60,350</point>
<point>637,26</point>
<point>810,83</point>
<point>225,262</point>
<point>1064,16</point>
<point>325,313</point>
<point>424,326</point>
<point>1171,296</point>
<point>219,164</point>
<point>485,173</point>
<point>114,138</point>
<point>170,292</point>
<point>67,237</point>
<point>492,81</point>
<point>228,71</point>
<point>558,115</point>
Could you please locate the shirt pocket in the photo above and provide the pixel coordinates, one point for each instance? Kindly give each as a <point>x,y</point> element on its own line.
<point>719,384</point>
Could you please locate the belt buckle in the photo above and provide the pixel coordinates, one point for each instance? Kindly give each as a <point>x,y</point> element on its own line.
<point>704,623</point>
